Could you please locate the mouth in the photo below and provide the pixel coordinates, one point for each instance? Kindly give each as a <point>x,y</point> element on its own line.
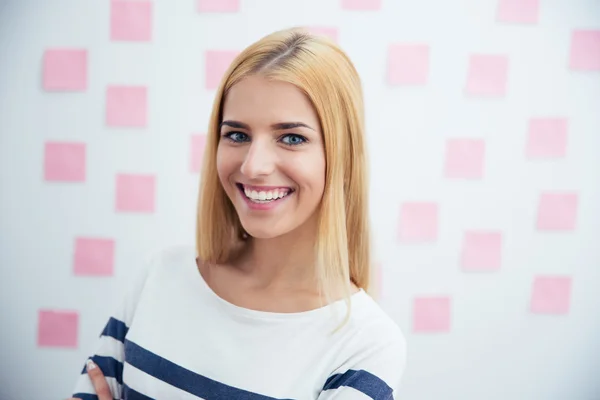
<point>264,195</point>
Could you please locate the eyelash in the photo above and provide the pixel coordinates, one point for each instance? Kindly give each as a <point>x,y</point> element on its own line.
<point>228,136</point>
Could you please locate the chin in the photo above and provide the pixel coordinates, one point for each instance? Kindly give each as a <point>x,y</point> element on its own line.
<point>262,233</point>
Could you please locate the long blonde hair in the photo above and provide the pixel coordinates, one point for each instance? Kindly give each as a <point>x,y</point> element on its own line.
<point>328,78</point>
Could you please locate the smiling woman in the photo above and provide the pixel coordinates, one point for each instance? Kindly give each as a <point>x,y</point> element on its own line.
<point>273,303</point>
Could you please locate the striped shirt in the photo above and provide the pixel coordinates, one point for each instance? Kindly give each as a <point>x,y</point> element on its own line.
<point>174,338</point>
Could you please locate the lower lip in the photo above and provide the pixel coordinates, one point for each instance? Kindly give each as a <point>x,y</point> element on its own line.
<point>262,206</point>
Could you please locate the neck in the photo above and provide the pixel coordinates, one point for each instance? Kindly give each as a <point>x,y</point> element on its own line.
<point>285,262</point>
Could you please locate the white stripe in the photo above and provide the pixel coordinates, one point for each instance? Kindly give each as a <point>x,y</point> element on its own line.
<point>155,388</point>
<point>343,392</point>
<point>110,347</point>
<point>84,385</point>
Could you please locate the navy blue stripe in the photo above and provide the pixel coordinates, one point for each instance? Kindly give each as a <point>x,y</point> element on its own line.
<point>362,381</point>
<point>130,394</point>
<point>184,379</point>
<point>116,329</point>
<point>85,396</point>
<point>109,366</point>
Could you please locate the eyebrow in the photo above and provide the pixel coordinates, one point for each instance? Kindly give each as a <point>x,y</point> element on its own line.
<point>279,126</point>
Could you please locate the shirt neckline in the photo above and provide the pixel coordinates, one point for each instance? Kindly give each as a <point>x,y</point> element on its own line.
<point>338,305</point>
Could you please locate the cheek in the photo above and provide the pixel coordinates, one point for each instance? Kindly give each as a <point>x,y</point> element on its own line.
<point>312,176</point>
<point>223,166</point>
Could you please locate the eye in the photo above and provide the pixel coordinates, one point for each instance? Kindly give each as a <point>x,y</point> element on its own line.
<point>237,137</point>
<point>293,139</point>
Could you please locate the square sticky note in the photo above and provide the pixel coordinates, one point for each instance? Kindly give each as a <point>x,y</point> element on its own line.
<point>218,6</point>
<point>551,295</point>
<point>418,222</point>
<point>327,31</point>
<point>464,158</point>
<point>518,11</point>
<point>557,211</point>
<point>197,144</point>
<point>65,70</point>
<point>585,50</point>
<point>64,161</point>
<point>131,20</point>
<point>135,193</point>
<point>408,64</point>
<point>481,251</point>
<point>217,62</point>
<point>57,328</point>
<point>364,5</point>
<point>431,314</point>
<point>94,256</point>
<point>487,75</point>
<point>126,106</point>
<point>547,138</point>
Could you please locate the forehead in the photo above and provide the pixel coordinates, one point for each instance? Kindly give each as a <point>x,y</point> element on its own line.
<point>258,100</point>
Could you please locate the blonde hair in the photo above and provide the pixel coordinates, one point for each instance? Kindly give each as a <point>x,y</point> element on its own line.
<point>328,78</point>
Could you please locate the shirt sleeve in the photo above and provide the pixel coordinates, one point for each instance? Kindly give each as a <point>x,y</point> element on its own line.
<point>108,352</point>
<point>376,375</point>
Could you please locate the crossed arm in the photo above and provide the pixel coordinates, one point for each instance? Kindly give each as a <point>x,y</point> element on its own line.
<point>99,382</point>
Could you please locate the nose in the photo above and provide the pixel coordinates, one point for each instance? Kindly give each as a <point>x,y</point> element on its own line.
<point>259,160</point>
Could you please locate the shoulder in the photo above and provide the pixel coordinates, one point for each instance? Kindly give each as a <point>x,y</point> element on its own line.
<point>370,318</point>
<point>165,263</point>
<point>379,348</point>
<point>169,260</point>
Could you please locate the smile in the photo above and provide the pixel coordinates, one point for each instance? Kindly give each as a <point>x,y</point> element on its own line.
<point>264,194</point>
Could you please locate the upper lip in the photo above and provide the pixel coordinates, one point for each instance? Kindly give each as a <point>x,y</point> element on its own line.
<point>264,188</point>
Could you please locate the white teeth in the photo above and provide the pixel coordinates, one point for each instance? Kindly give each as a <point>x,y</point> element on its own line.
<point>266,196</point>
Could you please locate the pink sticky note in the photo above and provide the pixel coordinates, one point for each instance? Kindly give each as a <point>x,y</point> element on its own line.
<point>130,20</point>
<point>218,6</point>
<point>65,70</point>
<point>57,328</point>
<point>217,62</point>
<point>557,211</point>
<point>94,257</point>
<point>518,11</point>
<point>585,50</point>
<point>464,158</point>
<point>551,295</point>
<point>481,251</point>
<point>408,64</point>
<point>487,75</point>
<point>431,314</point>
<point>64,162</point>
<point>418,222</point>
<point>196,152</point>
<point>327,31</point>
<point>547,138</point>
<point>135,193</point>
<point>364,5</point>
<point>126,106</point>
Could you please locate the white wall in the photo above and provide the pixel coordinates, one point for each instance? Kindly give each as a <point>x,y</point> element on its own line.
<point>495,347</point>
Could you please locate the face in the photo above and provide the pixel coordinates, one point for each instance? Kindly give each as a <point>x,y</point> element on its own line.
<point>271,157</point>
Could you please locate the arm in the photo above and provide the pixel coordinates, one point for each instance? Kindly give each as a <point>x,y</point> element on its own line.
<point>99,382</point>
<point>109,353</point>
<point>375,376</point>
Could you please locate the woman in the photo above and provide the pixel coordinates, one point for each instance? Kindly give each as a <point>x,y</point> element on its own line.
<point>272,303</point>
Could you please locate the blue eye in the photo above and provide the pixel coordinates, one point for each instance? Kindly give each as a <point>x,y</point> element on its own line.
<point>237,137</point>
<point>293,140</point>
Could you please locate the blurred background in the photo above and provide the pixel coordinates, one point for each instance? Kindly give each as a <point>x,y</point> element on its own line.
<point>483,126</point>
